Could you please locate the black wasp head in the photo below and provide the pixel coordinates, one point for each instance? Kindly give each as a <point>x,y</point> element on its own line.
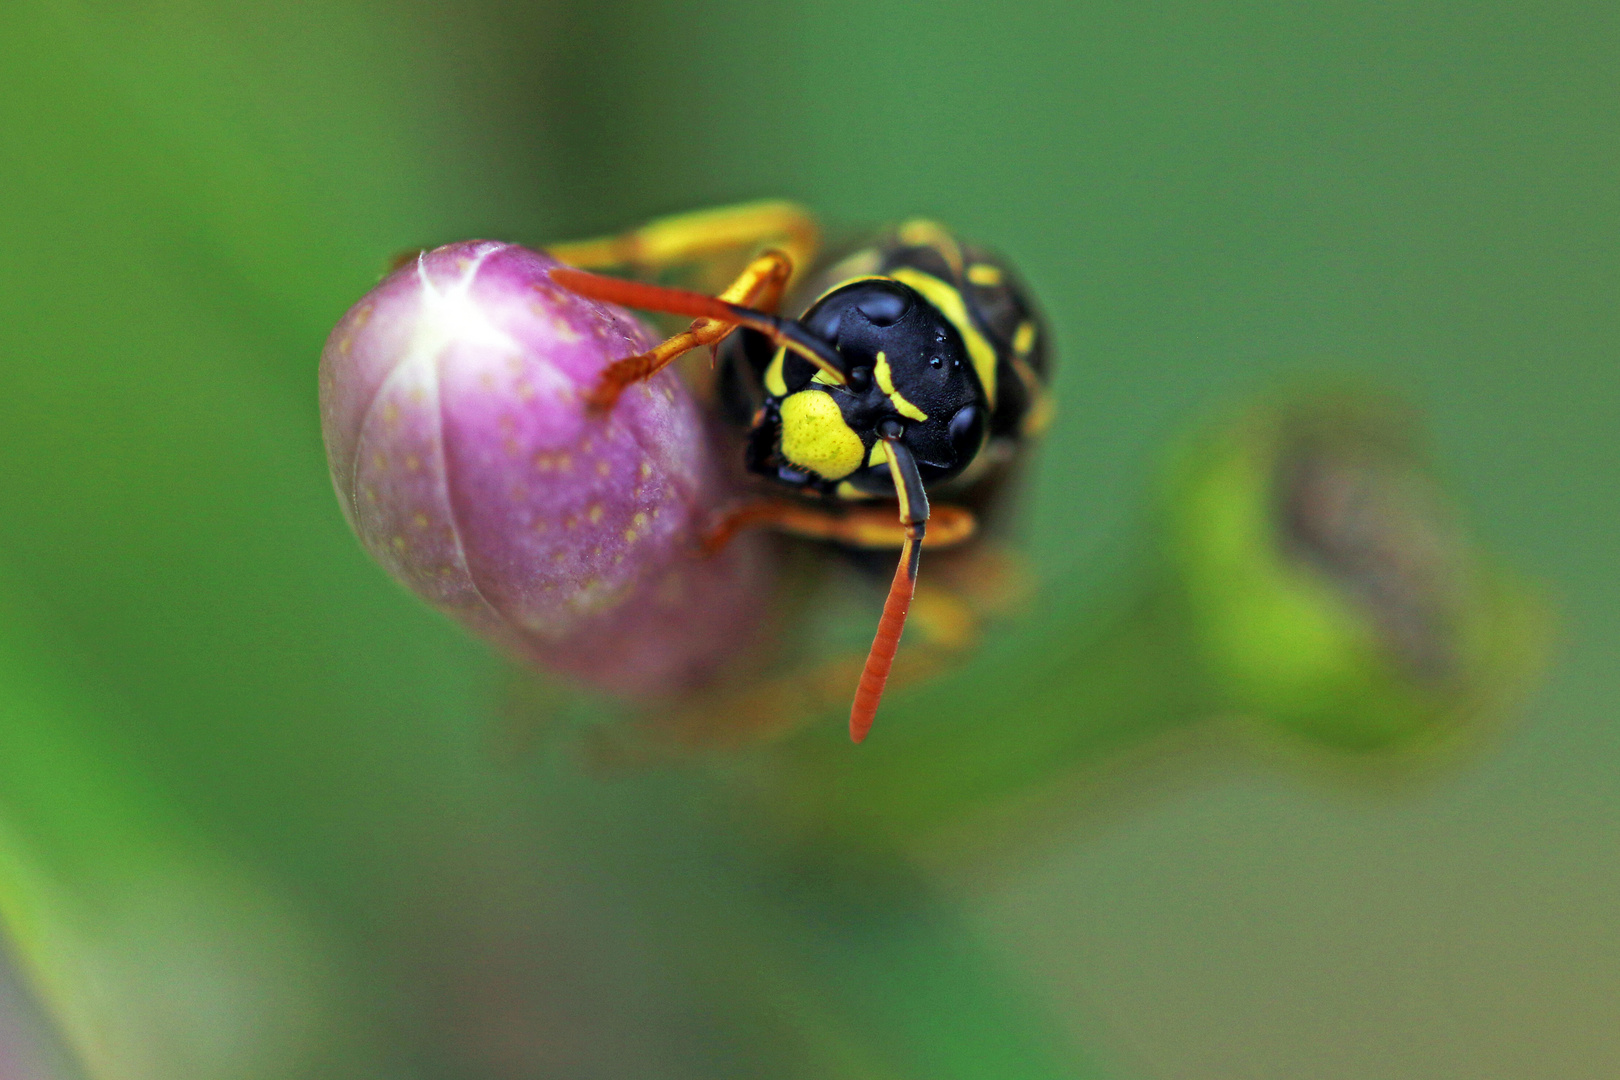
<point>907,364</point>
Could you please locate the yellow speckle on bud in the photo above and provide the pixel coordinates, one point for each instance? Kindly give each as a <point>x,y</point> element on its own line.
<point>602,468</point>
<point>595,513</point>
<point>564,330</point>
<point>412,462</point>
<point>420,521</point>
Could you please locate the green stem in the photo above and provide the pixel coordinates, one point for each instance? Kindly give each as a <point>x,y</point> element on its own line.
<point>807,972</point>
<point>1096,693</point>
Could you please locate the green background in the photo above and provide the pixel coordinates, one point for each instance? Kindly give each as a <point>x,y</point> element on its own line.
<point>1207,199</point>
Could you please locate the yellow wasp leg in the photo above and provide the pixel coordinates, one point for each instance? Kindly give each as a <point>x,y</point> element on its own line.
<point>760,286</point>
<point>700,236</point>
<point>871,527</point>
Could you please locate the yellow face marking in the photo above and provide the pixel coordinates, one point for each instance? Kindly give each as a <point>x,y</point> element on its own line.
<point>879,454</point>
<point>950,304</point>
<point>815,437</point>
<point>885,380</point>
<point>984,275</point>
<point>824,379</point>
<point>1024,338</point>
<point>775,385</point>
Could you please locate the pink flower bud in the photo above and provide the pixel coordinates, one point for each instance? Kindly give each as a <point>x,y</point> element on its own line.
<point>467,464</point>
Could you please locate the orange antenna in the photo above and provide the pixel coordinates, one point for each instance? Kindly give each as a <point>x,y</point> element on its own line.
<point>638,294</point>
<point>914,515</point>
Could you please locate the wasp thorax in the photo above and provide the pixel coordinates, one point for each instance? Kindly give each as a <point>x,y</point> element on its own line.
<point>909,372</point>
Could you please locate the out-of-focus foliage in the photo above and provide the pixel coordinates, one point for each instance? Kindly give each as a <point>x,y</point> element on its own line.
<point>1204,198</point>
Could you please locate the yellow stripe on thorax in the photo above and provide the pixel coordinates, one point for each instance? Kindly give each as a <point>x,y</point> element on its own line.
<point>985,275</point>
<point>950,304</point>
<point>1024,338</point>
<point>920,232</point>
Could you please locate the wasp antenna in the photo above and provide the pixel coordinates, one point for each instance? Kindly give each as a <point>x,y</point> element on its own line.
<point>638,294</point>
<point>886,643</point>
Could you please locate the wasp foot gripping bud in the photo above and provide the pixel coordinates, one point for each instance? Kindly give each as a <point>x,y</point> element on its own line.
<point>466,461</point>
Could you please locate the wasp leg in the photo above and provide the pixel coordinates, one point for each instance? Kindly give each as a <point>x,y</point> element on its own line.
<point>760,286</point>
<point>701,237</point>
<point>869,527</point>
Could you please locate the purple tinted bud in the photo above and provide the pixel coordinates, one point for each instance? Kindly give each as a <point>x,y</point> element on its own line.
<point>467,464</point>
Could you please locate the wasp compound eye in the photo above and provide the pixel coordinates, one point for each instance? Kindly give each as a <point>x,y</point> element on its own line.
<point>967,432</point>
<point>850,314</point>
<point>882,302</point>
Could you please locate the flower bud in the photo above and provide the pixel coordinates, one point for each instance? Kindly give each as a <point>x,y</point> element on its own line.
<point>452,404</point>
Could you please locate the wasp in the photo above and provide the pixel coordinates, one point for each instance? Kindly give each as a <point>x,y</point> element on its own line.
<point>918,366</point>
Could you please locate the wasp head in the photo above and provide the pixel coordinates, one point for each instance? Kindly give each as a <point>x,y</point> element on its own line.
<point>909,377</point>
